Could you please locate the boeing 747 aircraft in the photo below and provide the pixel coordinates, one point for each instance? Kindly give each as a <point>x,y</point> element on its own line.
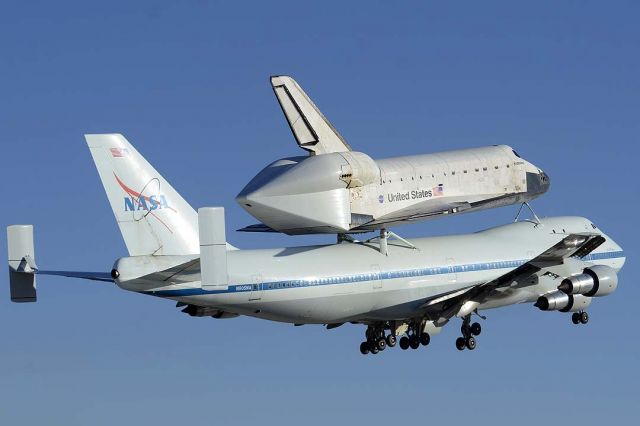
<point>339,191</point>
<point>404,293</point>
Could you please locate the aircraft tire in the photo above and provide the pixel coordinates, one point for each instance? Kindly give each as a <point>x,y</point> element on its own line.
<point>364,348</point>
<point>414,342</point>
<point>575,318</point>
<point>460,343</point>
<point>381,344</point>
<point>476,329</point>
<point>391,340</point>
<point>425,339</point>
<point>471,343</point>
<point>404,343</point>
<point>584,317</point>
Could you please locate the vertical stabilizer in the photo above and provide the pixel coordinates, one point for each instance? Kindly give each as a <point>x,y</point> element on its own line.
<point>153,218</point>
<point>22,264</point>
<point>213,248</point>
<point>309,126</point>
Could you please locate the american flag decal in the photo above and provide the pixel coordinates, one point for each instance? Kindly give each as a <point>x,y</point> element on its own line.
<point>119,152</point>
<point>438,190</point>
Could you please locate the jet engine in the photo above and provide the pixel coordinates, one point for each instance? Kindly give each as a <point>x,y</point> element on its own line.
<point>598,280</point>
<point>563,302</point>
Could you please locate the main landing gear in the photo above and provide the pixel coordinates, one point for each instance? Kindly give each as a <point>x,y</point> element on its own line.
<point>468,331</point>
<point>377,341</point>
<point>414,339</point>
<point>580,317</point>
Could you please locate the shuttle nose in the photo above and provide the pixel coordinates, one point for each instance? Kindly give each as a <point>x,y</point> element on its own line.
<point>537,183</point>
<point>545,180</point>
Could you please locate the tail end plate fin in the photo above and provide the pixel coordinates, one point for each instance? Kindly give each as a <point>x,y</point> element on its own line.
<point>22,265</point>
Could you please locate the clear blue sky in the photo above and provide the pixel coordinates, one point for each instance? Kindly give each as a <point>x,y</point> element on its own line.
<point>187,83</point>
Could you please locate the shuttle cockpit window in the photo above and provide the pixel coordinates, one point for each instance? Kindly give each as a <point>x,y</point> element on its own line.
<point>515,153</point>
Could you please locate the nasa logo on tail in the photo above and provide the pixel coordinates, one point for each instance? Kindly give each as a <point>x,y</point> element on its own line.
<point>145,203</point>
<point>136,201</point>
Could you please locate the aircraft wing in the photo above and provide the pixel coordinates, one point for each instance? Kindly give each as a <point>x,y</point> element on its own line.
<point>573,245</point>
<point>312,130</point>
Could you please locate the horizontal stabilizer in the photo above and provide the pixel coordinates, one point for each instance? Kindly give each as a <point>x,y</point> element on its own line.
<point>309,126</point>
<point>93,276</point>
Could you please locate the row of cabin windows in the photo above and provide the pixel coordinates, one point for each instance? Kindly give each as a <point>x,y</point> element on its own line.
<point>445,173</point>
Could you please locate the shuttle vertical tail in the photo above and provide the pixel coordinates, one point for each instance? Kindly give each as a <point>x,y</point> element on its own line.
<point>309,126</point>
<point>153,218</point>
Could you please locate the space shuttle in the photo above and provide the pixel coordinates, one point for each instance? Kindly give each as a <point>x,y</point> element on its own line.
<point>337,190</point>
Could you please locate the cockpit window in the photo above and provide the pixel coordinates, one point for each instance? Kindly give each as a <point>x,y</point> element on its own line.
<point>593,226</point>
<point>515,153</point>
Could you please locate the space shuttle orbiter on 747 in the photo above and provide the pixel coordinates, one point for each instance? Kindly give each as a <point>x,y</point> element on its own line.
<point>338,190</point>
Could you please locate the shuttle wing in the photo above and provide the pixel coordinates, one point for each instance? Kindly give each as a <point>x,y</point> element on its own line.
<point>312,130</point>
<point>573,245</point>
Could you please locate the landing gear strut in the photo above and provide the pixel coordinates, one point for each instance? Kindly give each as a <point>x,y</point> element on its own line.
<point>580,317</point>
<point>468,331</point>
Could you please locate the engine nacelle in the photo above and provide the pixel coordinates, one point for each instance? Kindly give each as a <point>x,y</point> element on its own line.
<point>598,280</point>
<point>577,284</point>
<point>563,302</point>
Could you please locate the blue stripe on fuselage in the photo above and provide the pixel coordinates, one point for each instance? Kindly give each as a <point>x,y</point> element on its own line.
<point>349,279</point>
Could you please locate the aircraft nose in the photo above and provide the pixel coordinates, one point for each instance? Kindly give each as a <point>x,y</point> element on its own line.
<point>537,183</point>
<point>546,182</point>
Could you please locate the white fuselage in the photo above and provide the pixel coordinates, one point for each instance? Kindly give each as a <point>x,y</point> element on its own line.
<point>350,192</point>
<point>355,282</point>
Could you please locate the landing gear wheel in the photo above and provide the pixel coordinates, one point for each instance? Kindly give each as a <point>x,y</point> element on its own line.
<point>391,340</point>
<point>425,339</point>
<point>364,348</point>
<point>471,343</point>
<point>381,344</point>
<point>476,329</point>
<point>404,343</point>
<point>575,318</point>
<point>414,342</point>
<point>460,343</point>
<point>584,317</point>
<point>374,349</point>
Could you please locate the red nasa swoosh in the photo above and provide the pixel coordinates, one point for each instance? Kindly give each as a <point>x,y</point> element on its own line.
<point>137,196</point>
